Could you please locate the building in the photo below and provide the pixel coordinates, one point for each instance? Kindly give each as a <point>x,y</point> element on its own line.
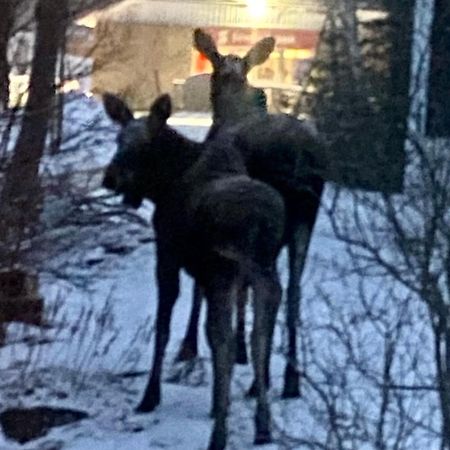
<point>142,46</point>
<point>360,105</point>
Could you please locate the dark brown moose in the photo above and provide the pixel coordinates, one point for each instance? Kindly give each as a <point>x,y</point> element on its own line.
<point>278,149</point>
<point>211,219</point>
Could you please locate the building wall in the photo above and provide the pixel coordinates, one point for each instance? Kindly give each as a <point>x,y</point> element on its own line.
<point>304,14</point>
<point>140,61</point>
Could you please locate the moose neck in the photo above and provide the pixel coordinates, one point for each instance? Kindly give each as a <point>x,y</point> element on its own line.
<point>178,155</point>
<point>231,101</point>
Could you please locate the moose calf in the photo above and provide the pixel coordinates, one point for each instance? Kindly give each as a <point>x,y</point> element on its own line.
<point>222,227</point>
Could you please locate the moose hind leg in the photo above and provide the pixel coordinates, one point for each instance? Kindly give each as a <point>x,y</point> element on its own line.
<point>220,337</point>
<point>266,302</point>
<point>189,347</point>
<point>241,347</point>
<point>298,247</point>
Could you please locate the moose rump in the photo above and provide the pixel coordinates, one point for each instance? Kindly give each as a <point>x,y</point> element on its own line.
<point>231,224</point>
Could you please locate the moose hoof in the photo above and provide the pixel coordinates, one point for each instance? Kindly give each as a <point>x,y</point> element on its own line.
<point>146,408</point>
<point>263,438</point>
<point>186,353</point>
<point>241,357</point>
<point>148,405</point>
<point>216,446</point>
<point>291,383</point>
<point>251,393</point>
<point>218,440</point>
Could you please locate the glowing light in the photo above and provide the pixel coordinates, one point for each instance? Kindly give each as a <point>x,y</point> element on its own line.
<point>257,8</point>
<point>18,90</point>
<point>89,21</point>
<point>71,85</point>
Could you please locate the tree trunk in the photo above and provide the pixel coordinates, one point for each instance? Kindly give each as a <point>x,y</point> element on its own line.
<point>20,199</point>
<point>345,11</point>
<point>56,132</point>
<point>5,30</point>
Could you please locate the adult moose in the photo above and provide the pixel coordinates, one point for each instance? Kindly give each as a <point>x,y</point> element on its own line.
<point>216,222</point>
<point>278,149</point>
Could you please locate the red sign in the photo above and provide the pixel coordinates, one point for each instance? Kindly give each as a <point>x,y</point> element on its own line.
<point>246,37</point>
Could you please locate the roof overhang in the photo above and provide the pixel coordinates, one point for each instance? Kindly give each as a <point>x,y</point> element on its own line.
<point>197,13</point>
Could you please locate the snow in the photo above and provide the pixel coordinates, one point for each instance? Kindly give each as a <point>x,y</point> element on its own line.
<point>96,351</point>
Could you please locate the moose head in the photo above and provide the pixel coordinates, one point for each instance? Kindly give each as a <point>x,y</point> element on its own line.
<point>232,67</point>
<point>137,150</point>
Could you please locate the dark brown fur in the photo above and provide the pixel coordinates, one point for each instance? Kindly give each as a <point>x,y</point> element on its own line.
<point>218,224</point>
<point>277,149</point>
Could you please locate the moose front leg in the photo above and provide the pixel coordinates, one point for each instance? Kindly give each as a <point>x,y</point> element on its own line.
<point>168,286</point>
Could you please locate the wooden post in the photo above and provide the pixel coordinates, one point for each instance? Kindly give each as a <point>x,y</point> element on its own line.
<point>19,299</point>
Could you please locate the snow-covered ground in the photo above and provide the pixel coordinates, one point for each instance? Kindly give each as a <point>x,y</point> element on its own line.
<point>96,351</point>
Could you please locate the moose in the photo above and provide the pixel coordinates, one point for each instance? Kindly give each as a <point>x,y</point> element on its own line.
<point>278,149</point>
<point>223,227</point>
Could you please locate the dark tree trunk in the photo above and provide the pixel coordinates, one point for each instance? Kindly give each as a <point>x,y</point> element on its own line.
<point>20,199</point>
<point>6,16</point>
<point>58,116</point>
<point>358,93</point>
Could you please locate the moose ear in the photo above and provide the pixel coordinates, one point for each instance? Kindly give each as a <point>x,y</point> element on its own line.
<point>259,52</point>
<point>204,43</point>
<point>117,109</point>
<point>161,108</point>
